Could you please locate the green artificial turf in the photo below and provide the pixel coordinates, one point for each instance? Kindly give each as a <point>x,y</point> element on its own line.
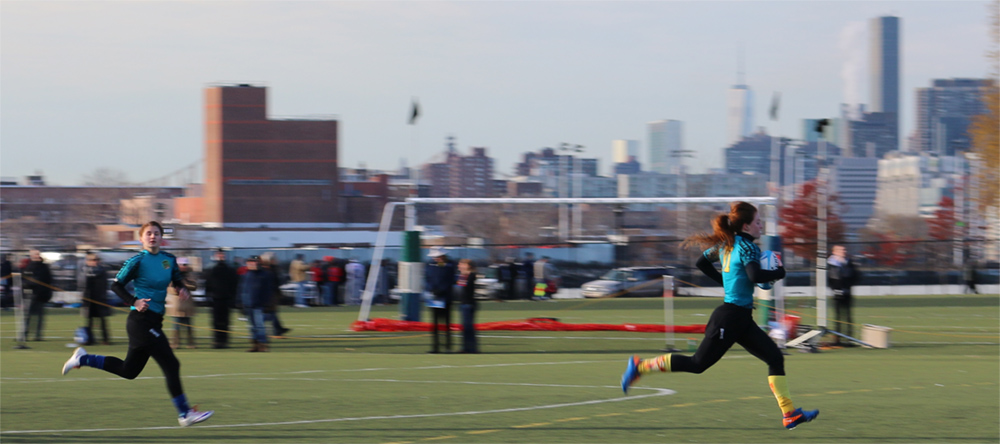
<point>939,382</point>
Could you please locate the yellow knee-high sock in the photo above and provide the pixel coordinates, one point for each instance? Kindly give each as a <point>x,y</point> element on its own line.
<point>780,388</point>
<point>661,363</point>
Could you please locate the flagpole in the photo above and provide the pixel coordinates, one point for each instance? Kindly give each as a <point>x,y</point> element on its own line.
<point>414,146</point>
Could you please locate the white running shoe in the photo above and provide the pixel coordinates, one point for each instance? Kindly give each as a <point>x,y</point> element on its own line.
<point>74,361</point>
<point>194,416</point>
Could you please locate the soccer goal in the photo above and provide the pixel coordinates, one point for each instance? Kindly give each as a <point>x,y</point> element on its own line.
<point>411,282</point>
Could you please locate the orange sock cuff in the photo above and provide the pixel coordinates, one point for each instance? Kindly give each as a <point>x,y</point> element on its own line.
<point>661,363</point>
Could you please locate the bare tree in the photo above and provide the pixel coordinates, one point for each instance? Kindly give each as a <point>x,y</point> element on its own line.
<point>106,177</point>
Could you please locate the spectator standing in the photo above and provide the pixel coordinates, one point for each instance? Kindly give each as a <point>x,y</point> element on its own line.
<point>546,278</point>
<point>255,293</point>
<point>6,282</point>
<point>220,287</point>
<point>355,282</point>
<point>841,276</point>
<point>269,264</point>
<point>182,310</point>
<point>439,280</point>
<point>969,276</point>
<point>37,282</point>
<point>465,292</point>
<point>297,275</point>
<point>507,275</point>
<point>317,277</point>
<point>527,273</point>
<point>95,298</point>
<point>381,295</point>
<point>334,278</point>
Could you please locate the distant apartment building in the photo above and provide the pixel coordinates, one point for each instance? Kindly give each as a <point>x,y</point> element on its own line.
<point>874,135</point>
<point>665,142</point>
<point>630,167</point>
<point>721,184</point>
<point>759,153</point>
<point>854,180</point>
<point>623,151</point>
<point>438,177</point>
<point>472,175</point>
<point>913,185</point>
<point>461,176</point>
<point>261,170</point>
<point>560,174</point>
<point>944,113</point>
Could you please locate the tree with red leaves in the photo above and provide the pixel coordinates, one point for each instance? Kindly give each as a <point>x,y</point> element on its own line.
<point>798,222</point>
<point>889,250</point>
<point>942,226</point>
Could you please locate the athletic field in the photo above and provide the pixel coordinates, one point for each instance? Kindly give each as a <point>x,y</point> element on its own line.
<point>939,382</point>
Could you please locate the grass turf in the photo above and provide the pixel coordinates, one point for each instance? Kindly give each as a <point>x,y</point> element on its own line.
<point>940,382</point>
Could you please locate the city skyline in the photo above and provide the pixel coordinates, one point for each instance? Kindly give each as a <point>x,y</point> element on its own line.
<point>120,85</point>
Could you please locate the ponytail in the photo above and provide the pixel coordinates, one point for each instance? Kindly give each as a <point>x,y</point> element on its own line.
<point>724,227</point>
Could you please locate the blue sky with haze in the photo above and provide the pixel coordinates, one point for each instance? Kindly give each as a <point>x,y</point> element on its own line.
<point>116,84</point>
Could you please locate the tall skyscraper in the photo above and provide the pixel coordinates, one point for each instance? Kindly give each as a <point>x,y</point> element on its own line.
<point>665,140</point>
<point>739,118</point>
<point>884,65</point>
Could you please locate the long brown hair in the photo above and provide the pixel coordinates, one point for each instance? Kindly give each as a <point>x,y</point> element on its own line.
<point>724,227</point>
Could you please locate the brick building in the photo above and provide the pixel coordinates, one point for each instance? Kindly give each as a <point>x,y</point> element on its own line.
<point>261,170</point>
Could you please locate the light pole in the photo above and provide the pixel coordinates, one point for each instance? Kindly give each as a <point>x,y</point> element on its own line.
<point>563,209</point>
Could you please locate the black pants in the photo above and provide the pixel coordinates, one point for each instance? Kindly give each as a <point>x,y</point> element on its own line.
<point>440,315</point>
<point>145,340</point>
<point>36,309</point>
<point>220,321</point>
<point>104,326</point>
<point>842,307</point>
<point>731,324</point>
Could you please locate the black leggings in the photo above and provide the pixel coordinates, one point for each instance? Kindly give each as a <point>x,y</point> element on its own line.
<point>145,340</point>
<point>731,324</point>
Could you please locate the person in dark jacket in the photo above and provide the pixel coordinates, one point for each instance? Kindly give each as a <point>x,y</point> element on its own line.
<point>841,277</point>
<point>95,298</point>
<point>6,282</point>
<point>220,286</point>
<point>37,279</point>
<point>465,291</point>
<point>439,280</point>
<point>255,292</point>
<point>269,264</point>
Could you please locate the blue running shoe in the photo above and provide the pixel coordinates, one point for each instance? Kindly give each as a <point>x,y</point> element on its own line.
<point>799,416</point>
<point>631,373</point>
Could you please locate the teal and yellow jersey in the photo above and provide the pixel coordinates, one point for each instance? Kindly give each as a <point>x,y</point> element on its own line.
<point>152,274</point>
<point>739,288</point>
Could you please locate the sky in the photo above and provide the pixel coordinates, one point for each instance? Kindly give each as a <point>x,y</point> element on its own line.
<point>119,84</point>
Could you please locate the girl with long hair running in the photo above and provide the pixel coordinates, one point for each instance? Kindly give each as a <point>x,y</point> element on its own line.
<point>731,243</point>
<point>152,271</point>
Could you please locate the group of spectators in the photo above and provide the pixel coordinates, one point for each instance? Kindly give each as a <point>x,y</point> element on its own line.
<point>528,278</point>
<point>336,281</point>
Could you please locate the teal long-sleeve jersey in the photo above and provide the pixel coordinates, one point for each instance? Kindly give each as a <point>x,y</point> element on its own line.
<point>735,281</point>
<point>152,274</point>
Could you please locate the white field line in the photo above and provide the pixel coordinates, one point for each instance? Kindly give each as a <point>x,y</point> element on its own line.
<point>657,392</point>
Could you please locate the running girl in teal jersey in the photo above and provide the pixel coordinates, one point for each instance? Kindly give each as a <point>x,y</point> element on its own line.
<point>731,244</point>
<point>152,271</point>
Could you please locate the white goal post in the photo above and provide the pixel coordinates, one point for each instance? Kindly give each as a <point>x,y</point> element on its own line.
<point>411,218</point>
